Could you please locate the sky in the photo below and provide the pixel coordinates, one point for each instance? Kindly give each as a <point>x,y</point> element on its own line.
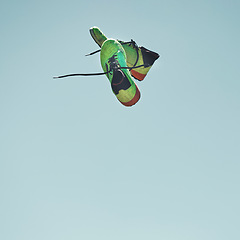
<point>76,164</point>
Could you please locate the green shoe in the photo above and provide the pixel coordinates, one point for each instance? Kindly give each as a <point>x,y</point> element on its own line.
<point>135,55</point>
<point>113,58</point>
<point>139,56</point>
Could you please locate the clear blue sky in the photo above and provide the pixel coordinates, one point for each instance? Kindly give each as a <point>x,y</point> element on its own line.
<point>76,164</point>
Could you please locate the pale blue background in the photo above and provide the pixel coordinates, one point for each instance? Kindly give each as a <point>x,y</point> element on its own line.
<point>76,164</point>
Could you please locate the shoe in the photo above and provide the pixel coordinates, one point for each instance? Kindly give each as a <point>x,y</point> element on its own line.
<point>139,56</point>
<point>113,58</point>
<point>135,55</point>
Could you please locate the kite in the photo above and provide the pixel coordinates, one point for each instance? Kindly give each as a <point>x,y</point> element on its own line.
<point>121,62</point>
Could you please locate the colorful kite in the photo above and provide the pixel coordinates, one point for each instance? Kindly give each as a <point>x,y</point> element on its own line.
<point>120,62</point>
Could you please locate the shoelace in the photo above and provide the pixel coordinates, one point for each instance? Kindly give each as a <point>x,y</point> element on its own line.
<point>132,42</point>
<point>113,66</point>
<point>102,73</point>
<point>135,46</point>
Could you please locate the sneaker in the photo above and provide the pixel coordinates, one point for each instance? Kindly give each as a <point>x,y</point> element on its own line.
<point>113,57</point>
<point>138,56</point>
<point>135,55</point>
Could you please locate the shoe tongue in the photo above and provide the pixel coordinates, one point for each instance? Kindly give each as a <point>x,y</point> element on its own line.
<point>98,36</point>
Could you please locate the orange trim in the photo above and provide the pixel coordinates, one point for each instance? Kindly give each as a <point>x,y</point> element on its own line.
<point>134,100</point>
<point>138,75</point>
